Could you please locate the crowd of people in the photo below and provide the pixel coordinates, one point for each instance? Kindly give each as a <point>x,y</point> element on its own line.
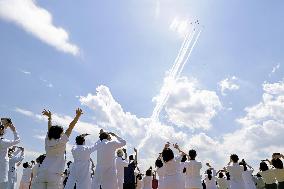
<point>114,169</point>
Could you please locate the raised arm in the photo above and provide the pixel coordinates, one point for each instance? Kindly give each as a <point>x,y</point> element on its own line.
<point>47,113</point>
<point>136,155</point>
<point>9,143</point>
<point>79,112</point>
<point>121,142</point>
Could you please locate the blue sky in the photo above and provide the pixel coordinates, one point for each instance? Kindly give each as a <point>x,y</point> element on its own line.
<point>127,47</point>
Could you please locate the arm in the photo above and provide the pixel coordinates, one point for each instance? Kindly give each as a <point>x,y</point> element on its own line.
<point>250,167</point>
<point>9,143</point>
<point>136,155</point>
<point>47,113</point>
<point>79,112</point>
<point>121,142</point>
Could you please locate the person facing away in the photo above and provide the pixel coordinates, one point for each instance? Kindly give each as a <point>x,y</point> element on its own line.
<point>105,174</point>
<point>35,168</point>
<point>259,181</point>
<point>26,177</point>
<point>222,182</point>
<point>210,179</point>
<point>15,159</point>
<point>193,167</point>
<point>4,146</point>
<point>160,171</point>
<point>139,181</point>
<point>147,180</point>
<point>235,170</point>
<point>278,171</point>
<point>80,170</point>
<point>247,175</point>
<point>120,164</point>
<point>268,176</point>
<point>49,174</point>
<point>129,172</point>
<point>172,165</point>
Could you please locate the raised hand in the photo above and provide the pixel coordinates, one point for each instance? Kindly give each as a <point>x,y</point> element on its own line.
<point>79,112</point>
<point>135,150</point>
<point>167,145</point>
<point>176,146</point>
<point>46,113</point>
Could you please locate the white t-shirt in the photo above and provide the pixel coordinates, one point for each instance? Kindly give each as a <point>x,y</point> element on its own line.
<point>54,161</point>
<point>268,176</point>
<point>222,183</point>
<point>26,177</point>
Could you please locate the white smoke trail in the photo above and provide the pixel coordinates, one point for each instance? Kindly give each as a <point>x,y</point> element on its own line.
<point>174,74</point>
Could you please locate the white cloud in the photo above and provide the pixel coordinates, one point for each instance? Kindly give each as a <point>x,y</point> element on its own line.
<point>190,106</point>
<point>229,84</point>
<point>26,72</point>
<point>274,69</point>
<point>37,21</point>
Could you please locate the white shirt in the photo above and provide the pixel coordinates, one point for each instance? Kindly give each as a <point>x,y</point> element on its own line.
<point>236,179</point>
<point>4,165</point>
<point>26,177</point>
<point>193,176</point>
<point>120,164</point>
<point>34,171</point>
<point>82,153</point>
<point>211,184</point>
<point>222,183</point>
<point>55,149</point>
<point>268,176</point>
<point>12,164</point>
<point>147,182</point>
<point>248,179</point>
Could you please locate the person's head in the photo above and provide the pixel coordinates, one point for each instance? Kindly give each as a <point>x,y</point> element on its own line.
<point>263,166</point>
<point>234,158</point>
<point>139,177</point>
<point>192,154</point>
<point>26,165</point>
<point>55,132</point>
<point>5,122</point>
<point>149,172</point>
<point>183,158</point>
<point>244,164</point>
<point>80,140</point>
<point>104,136</point>
<point>258,175</point>
<point>167,154</point>
<point>209,174</point>
<point>159,163</point>
<point>228,176</point>
<point>277,163</point>
<point>119,153</point>
<point>131,157</point>
<point>41,158</point>
<point>221,175</point>
<point>2,130</point>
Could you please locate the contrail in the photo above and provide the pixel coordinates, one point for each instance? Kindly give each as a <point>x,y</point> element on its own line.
<point>174,74</point>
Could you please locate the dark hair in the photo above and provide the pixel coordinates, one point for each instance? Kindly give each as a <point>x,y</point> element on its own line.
<point>228,176</point>
<point>139,176</point>
<point>209,173</point>
<point>184,170</point>
<point>234,158</point>
<point>103,136</point>
<point>167,154</point>
<point>41,158</point>
<point>244,164</point>
<point>55,132</point>
<point>183,158</point>
<point>277,163</point>
<point>221,175</point>
<point>192,154</point>
<point>131,157</point>
<point>258,175</point>
<point>69,163</point>
<point>26,165</point>
<point>263,166</point>
<point>149,172</point>
<point>159,163</point>
<point>3,129</point>
<point>80,140</point>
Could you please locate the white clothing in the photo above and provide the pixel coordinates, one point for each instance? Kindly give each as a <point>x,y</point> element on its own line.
<point>193,176</point>
<point>139,184</point>
<point>161,174</point>
<point>80,169</point>
<point>172,179</point>
<point>236,171</point>
<point>49,174</point>
<point>34,172</point>
<point>248,179</point>
<point>211,184</point>
<point>105,174</point>
<point>147,182</point>
<point>4,161</point>
<point>120,164</point>
<point>27,173</point>
<point>222,183</point>
<point>12,174</point>
<point>268,176</point>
